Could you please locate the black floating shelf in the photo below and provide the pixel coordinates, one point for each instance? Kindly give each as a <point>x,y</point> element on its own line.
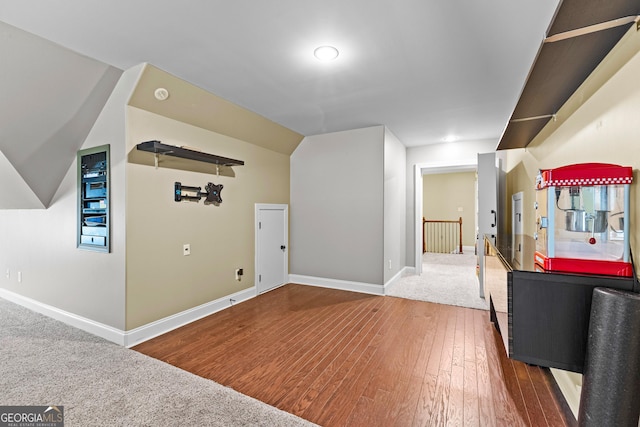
<point>157,147</point>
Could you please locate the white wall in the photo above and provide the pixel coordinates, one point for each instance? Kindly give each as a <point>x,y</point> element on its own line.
<point>337,186</point>
<point>51,96</point>
<point>395,163</point>
<point>435,156</point>
<point>41,244</point>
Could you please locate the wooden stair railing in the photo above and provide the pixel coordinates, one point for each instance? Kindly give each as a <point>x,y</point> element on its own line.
<point>443,235</point>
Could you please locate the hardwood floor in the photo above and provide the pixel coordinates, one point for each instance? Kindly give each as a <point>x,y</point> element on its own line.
<point>347,359</point>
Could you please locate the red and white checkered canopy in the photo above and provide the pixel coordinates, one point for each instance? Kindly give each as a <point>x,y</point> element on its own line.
<point>584,174</point>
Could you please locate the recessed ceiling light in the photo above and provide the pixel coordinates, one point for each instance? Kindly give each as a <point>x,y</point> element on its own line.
<point>450,138</point>
<point>326,53</point>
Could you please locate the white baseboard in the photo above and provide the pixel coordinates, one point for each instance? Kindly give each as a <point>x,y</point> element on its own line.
<point>570,385</point>
<point>343,285</point>
<point>169,323</point>
<point>137,335</point>
<point>96,328</point>
<point>406,271</point>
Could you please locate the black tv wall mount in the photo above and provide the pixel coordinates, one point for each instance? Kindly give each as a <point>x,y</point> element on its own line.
<point>211,193</point>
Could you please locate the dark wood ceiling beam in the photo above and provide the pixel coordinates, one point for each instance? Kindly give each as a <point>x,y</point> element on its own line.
<point>574,14</point>
<point>591,29</point>
<point>580,36</point>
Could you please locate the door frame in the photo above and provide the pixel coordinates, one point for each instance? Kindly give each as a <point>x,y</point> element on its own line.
<point>488,170</point>
<point>270,206</point>
<point>420,169</point>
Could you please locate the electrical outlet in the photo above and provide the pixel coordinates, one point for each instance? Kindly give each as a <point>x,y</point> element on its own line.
<point>8,274</point>
<point>389,264</point>
<point>19,276</point>
<point>186,249</point>
<point>239,273</point>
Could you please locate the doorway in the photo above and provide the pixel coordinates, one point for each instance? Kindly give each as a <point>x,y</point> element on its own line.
<point>272,240</point>
<point>450,278</point>
<point>419,171</point>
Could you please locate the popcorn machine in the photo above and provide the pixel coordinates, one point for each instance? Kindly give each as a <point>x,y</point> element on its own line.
<point>582,219</point>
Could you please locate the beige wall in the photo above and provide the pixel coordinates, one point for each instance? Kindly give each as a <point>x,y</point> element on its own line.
<point>445,193</point>
<point>160,280</point>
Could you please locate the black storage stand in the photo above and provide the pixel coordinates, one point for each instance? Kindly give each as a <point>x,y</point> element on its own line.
<point>549,316</point>
<point>93,199</point>
<point>543,317</point>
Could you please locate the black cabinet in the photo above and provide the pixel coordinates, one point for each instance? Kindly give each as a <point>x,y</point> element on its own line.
<point>543,316</point>
<point>549,316</point>
<point>93,199</point>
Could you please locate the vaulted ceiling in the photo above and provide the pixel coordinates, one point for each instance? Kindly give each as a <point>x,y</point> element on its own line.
<point>50,98</point>
<point>426,69</point>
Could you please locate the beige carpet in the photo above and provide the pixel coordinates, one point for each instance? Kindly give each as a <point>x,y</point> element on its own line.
<point>446,279</point>
<point>46,362</point>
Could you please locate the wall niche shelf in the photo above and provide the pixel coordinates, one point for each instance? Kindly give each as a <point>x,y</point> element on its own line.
<point>93,199</point>
<point>158,148</point>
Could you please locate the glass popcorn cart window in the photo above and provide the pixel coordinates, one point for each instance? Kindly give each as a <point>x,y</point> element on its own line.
<point>582,219</point>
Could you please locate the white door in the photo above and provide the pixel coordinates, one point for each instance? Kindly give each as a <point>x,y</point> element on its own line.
<point>487,206</point>
<point>516,232</point>
<point>272,261</point>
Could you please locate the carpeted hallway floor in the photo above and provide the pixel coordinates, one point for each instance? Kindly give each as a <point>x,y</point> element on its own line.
<point>446,279</point>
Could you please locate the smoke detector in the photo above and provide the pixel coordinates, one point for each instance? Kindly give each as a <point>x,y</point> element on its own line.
<point>161,94</point>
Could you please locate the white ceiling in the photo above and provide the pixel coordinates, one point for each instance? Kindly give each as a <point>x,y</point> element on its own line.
<point>424,68</point>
